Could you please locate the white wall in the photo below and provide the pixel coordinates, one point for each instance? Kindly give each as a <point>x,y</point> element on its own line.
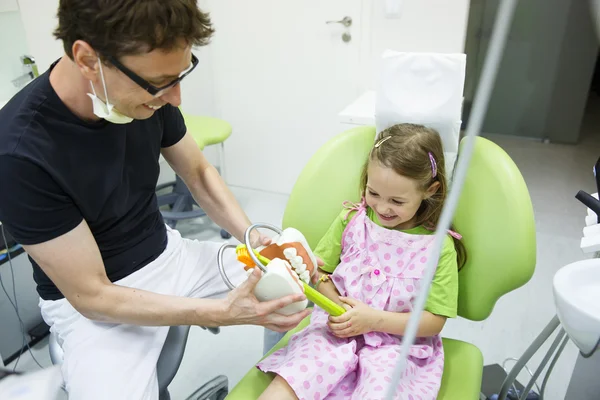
<point>12,47</point>
<point>8,5</point>
<point>422,26</point>
<point>39,20</point>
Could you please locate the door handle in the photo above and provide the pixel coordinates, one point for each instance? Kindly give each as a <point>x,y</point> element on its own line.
<point>346,21</point>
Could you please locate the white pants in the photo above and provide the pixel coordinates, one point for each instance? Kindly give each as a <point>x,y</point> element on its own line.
<point>117,361</point>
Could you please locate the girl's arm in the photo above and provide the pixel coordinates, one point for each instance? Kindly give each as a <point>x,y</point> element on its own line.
<point>361,318</point>
<point>395,323</point>
<point>328,289</point>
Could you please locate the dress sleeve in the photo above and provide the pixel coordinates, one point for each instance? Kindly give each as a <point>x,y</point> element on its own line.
<point>33,207</point>
<point>329,248</point>
<point>443,295</point>
<point>174,126</point>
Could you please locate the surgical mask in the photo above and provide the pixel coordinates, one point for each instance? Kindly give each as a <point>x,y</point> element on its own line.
<point>106,111</point>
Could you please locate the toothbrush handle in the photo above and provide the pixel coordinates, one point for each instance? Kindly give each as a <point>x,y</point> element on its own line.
<point>322,301</point>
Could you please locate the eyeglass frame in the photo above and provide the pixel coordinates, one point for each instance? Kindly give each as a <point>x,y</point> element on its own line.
<point>147,86</point>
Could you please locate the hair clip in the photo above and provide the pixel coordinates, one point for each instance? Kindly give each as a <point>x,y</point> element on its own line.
<point>380,142</point>
<point>433,165</point>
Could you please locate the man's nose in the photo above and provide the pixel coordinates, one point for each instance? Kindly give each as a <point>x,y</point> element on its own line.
<point>173,96</point>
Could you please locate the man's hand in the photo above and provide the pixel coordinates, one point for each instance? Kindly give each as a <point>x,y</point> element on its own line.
<point>357,320</point>
<point>258,239</point>
<point>243,308</point>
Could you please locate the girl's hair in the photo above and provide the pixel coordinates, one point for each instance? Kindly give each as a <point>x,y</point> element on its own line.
<point>407,149</point>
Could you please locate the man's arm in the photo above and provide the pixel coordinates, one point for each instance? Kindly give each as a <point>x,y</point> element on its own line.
<point>73,262</point>
<point>207,187</point>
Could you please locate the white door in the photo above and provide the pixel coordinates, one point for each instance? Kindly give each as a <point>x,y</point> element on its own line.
<point>281,75</point>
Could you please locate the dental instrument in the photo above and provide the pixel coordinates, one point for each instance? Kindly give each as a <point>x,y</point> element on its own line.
<point>287,265</point>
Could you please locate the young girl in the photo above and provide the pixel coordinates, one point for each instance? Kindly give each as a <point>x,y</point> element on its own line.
<point>376,253</point>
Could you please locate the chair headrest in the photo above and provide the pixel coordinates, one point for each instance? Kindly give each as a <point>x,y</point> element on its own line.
<point>422,88</point>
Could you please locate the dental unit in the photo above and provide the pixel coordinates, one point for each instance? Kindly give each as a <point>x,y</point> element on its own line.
<point>590,241</point>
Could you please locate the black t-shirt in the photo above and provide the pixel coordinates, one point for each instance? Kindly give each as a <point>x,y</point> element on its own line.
<point>57,170</point>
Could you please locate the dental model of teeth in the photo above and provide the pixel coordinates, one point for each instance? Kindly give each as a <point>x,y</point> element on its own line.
<point>292,247</point>
<point>292,262</point>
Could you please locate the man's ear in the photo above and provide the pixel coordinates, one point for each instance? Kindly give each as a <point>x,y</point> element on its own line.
<point>86,60</point>
<point>435,186</point>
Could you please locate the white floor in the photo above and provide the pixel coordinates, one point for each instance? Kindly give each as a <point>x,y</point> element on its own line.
<point>554,174</point>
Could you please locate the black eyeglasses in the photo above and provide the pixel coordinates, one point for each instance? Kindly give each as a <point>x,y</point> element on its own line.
<point>150,88</point>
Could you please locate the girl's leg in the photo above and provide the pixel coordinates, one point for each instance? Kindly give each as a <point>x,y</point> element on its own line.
<point>278,390</point>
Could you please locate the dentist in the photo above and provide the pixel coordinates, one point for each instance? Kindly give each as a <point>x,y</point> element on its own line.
<point>79,150</point>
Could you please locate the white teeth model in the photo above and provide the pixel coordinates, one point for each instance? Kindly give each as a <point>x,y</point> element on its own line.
<point>297,264</point>
<point>305,276</point>
<point>290,253</point>
<point>301,267</point>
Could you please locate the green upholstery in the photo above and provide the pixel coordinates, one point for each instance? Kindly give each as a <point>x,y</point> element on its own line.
<point>331,177</point>
<point>206,131</point>
<point>494,216</point>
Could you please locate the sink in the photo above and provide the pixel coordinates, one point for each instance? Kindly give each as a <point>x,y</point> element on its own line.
<point>577,299</point>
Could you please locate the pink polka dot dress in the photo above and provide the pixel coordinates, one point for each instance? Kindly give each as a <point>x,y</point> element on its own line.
<point>382,268</point>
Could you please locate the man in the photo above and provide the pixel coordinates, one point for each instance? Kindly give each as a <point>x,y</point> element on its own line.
<point>79,150</point>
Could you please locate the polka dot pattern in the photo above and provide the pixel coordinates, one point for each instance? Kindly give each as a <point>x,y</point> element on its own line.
<point>318,365</point>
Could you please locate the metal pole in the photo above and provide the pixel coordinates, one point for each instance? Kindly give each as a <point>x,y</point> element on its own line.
<point>531,350</point>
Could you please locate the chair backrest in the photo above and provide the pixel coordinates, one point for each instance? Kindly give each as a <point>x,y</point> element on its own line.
<point>494,215</point>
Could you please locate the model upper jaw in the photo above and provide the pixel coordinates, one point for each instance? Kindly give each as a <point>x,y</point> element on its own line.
<point>293,247</point>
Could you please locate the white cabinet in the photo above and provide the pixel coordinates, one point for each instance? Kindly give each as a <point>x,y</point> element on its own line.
<point>9,5</point>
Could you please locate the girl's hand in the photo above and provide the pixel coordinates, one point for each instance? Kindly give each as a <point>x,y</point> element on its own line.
<point>317,275</point>
<point>357,320</point>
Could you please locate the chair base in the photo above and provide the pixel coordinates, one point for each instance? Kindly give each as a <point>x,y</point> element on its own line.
<point>181,203</point>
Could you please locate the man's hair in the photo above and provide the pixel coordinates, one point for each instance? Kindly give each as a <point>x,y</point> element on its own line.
<point>127,27</point>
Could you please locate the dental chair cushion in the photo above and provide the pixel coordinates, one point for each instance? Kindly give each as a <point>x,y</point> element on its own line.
<point>461,380</point>
<point>206,131</point>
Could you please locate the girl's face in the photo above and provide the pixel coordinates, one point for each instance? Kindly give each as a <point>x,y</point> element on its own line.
<point>395,198</point>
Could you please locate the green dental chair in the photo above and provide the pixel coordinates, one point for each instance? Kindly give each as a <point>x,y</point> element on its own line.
<point>494,215</point>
